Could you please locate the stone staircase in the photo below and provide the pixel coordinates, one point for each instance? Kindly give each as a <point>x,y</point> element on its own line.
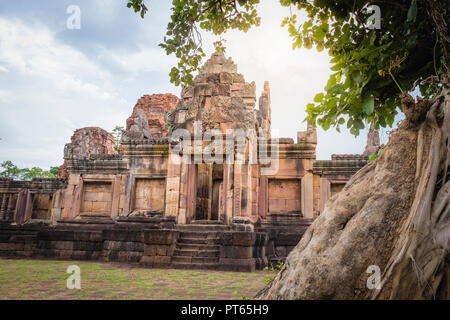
<point>198,245</point>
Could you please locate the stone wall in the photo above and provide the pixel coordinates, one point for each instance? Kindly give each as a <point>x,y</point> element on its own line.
<point>23,201</point>
<point>122,241</point>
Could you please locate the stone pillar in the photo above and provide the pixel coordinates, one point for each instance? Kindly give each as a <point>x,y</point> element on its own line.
<point>3,198</point>
<point>116,197</point>
<point>184,194</point>
<point>69,195</point>
<point>237,190</point>
<point>11,207</point>
<point>56,206</point>
<point>173,188</point>
<point>228,173</point>
<point>307,196</point>
<point>262,196</point>
<point>24,208</point>
<point>325,192</point>
<point>316,195</point>
<point>76,199</point>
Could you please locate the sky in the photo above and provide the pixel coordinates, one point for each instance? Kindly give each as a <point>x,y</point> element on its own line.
<point>54,80</point>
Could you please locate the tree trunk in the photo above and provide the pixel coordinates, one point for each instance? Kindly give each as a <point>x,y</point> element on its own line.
<point>394,214</point>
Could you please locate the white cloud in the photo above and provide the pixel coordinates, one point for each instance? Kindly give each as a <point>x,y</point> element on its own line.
<point>6,96</point>
<point>51,90</point>
<point>34,51</point>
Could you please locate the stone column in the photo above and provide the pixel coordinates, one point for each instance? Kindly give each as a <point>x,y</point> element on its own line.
<point>11,206</point>
<point>173,187</point>
<point>325,192</point>
<point>116,197</point>
<point>68,195</point>
<point>262,196</point>
<point>186,186</point>
<point>237,190</point>
<point>307,196</point>
<point>228,192</point>
<point>2,206</point>
<point>23,207</point>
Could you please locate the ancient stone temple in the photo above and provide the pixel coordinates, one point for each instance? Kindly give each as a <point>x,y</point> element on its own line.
<point>197,182</point>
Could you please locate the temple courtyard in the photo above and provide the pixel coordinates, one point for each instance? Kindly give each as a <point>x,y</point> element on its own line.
<point>46,279</point>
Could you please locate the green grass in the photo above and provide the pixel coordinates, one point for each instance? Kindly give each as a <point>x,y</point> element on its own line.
<point>43,279</point>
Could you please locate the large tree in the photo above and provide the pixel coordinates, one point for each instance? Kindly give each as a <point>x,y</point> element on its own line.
<point>394,213</point>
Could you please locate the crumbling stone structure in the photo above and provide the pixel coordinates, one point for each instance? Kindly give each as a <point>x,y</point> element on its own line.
<point>140,205</point>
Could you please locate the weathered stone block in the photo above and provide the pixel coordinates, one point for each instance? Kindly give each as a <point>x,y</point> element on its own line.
<point>164,236</point>
<point>241,265</point>
<point>221,90</point>
<point>155,261</point>
<point>88,236</point>
<point>237,77</point>
<point>122,235</point>
<point>236,252</point>
<point>226,77</point>
<point>287,239</point>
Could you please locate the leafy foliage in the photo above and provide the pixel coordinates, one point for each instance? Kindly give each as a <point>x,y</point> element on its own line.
<point>371,66</point>
<point>117,134</point>
<point>275,269</point>
<point>10,170</point>
<point>373,156</point>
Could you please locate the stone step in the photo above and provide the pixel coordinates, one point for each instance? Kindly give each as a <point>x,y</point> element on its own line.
<point>209,253</point>
<point>185,253</point>
<point>198,235</point>
<point>205,260</point>
<point>202,227</point>
<point>193,266</point>
<point>207,222</point>
<point>196,253</point>
<point>196,241</point>
<point>197,247</point>
<point>181,259</point>
<point>194,260</point>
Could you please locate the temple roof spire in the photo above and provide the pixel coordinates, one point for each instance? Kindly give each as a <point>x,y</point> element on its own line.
<point>218,63</point>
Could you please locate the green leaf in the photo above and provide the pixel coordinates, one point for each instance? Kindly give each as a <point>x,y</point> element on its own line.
<point>358,124</point>
<point>368,105</point>
<point>336,89</point>
<point>319,97</point>
<point>412,12</point>
<point>319,34</point>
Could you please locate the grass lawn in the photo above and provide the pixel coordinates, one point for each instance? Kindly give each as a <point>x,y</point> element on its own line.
<point>45,279</point>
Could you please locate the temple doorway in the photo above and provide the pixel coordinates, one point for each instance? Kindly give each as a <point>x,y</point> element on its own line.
<point>209,186</point>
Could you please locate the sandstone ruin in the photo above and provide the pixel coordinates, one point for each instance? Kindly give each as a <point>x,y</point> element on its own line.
<point>136,205</point>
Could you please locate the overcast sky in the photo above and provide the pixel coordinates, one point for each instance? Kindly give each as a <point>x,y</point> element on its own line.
<point>54,80</point>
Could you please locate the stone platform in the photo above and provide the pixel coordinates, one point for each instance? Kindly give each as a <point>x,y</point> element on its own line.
<point>151,242</point>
